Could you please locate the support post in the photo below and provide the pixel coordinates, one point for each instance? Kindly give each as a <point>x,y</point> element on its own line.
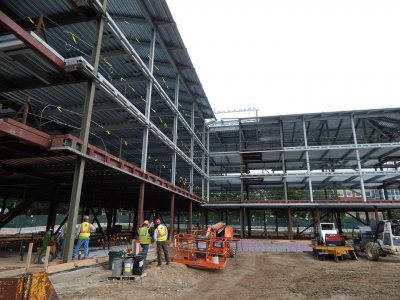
<point>51,218</point>
<point>376,215</point>
<point>171,217</point>
<point>290,229</point>
<point>339,223</point>
<point>148,104</point>
<point>192,151</point>
<point>367,217</point>
<point>358,159</point>
<point>84,135</point>
<point>190,212</point>
<point>285,190</point>
<point>179,221</point>
<point>139,216</point>
<point>175,132</point>
<point>241,219</point>
<point>308,162</point>
<point>249,222</point>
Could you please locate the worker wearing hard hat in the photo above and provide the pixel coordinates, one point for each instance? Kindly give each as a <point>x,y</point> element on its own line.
<point>144,238</point>
<point>161,236</point>
<point>84,236</point>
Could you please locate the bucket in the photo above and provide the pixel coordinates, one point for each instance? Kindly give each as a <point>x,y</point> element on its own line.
<point>117,267</point>
<point>137,265</point>
<point>215,259</point>
<point>128,266</point>
<point>113,255</point>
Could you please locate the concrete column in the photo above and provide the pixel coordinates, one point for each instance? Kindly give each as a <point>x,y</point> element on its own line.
<point>248,222</point>
<point>84,135</point>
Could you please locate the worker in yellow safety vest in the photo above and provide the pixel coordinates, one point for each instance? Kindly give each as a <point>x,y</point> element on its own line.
<point>85,229</point>
<point>144,238</point>
<point>161,235</point>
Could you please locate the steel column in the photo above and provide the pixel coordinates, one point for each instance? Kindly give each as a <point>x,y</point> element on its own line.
<point>241,219</point>
<point>139,216</point>
<point>248,222</point>
<point>308,161</point>
<point>51,218</point>
<point>190,212</point>
<point>353,128</point>
<point>367,217</point>
<point>175,132</point>
<point>84,135</point>
<point>208,164</point>
<point>283,160</point>
<point>148,104</point>
<point>318,217</point>
<point>203,161</point>
<point>192,150</point>
<point>376,215</point>
<point>171,217</point>
<point>290,229</point>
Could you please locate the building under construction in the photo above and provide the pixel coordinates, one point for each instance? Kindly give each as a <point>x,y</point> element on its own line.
<point>102,110</point>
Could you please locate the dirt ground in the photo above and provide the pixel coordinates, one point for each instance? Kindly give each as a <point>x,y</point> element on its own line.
<point>252,275</point>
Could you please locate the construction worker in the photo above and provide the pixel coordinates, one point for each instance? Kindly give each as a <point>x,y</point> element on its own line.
<point>144,238</point>
<point>84,236</point>
<point>160,236</point>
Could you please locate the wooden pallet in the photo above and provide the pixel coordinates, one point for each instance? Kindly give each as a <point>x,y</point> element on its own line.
<point>127,277</point>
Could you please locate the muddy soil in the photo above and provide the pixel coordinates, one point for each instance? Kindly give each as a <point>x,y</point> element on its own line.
<point>252,275</point>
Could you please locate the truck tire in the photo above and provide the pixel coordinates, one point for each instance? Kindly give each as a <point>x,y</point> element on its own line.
<point>372,250</point>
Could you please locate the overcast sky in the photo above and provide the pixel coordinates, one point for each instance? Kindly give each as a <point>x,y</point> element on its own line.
<point>292,56</point>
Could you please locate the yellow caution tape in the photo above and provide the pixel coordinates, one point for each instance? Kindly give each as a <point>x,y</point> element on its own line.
<point>59,108</point>
<point>108,132</point>
<point>30,19</point>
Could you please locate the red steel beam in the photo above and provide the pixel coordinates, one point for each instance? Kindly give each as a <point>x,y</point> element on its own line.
<point>25,133</point>
<point>30,41</point>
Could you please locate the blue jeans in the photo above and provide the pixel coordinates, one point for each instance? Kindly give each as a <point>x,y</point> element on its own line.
<point>145,248</point>
<point>85,243</point>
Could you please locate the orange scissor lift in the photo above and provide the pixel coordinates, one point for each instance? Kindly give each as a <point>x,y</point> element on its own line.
<point>205,249</point>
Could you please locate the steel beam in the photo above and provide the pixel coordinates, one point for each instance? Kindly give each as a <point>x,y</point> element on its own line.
<point>192,150</point>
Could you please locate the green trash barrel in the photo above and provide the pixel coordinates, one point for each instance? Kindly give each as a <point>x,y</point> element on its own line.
<point>112,255</point>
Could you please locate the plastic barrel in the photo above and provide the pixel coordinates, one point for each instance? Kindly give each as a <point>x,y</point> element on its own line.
<point>137,265</point>
<point>117,267</point>
<point>112,255</point>
<point>128,266</point>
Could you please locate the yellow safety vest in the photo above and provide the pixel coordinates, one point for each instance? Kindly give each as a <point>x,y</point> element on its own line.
<point>161,233</point>
<point>144,236</point>
<point>84,233</point>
